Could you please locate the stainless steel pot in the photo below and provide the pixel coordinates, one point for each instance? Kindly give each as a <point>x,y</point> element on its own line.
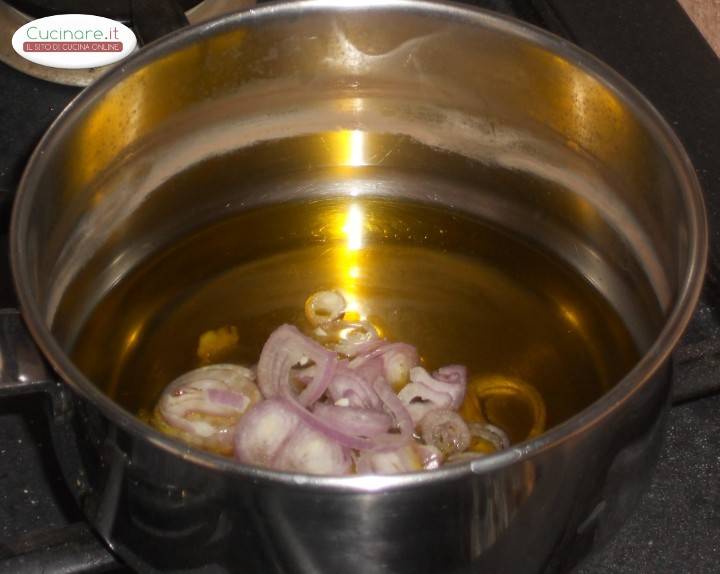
<point>547,142</point>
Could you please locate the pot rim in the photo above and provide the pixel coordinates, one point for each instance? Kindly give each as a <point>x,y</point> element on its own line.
<point>642,373</point>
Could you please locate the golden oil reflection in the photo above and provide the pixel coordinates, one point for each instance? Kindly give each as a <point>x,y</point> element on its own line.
<point>349,258</point>
<point>571,317</point>
<point>354,226</point>
<point>356,149</point>
<point>348,148</point>
<point>128,346</point>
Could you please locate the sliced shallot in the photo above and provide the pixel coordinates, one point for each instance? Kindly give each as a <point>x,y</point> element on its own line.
<point>399,435</point>
<point>274,436</point>
<point>394,359</point>
<point>346,394</point>
<point>490,433</point>
<point>409,458</point>
<point>312,452</point>
<point>398,360</point>
<point>355,338</point>
<point>329,429</point>
<point>352,388</point>
<point>285,349</point>
<point>403,420</point>
<point>356,421</point>
<point>430,456</point>
<point>445,389</point>
<point>203,406</point>
<point>263,432</point>
<point>324,306</point>
<point>487,432</point>
<point>445,430</point>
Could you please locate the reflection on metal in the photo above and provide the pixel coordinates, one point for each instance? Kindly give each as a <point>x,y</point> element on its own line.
<point>20,362</point>
<point>349,257</point>
<point>12,19</point>
<point>486,389</point>
<point>354,227</point>
<point>356,149</point>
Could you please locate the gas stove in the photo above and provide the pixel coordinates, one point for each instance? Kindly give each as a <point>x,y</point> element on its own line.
<point>676,526</point>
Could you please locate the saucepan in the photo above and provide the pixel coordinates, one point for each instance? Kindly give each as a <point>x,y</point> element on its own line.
<point>550,143</point>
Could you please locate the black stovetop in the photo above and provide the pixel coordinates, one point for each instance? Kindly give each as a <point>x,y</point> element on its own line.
<point>676,527</point>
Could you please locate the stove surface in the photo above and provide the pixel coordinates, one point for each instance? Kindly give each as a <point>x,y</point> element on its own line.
<point>676,527</point>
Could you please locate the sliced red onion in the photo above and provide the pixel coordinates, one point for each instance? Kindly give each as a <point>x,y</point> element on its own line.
<point>402,418</point>
<point>356,421</point>
<point>312,452</point>
<point>408,458</point>
<point>263,431</point>
<point>324,307</point>
<point>304,374</point>
<point>330,429</point>
<point>444,390</point>
<point>237,401</point>
<point>297,429</point>
<point>394,360</point>
<point>272,435</point>
<point>315,389</point>
<point>337,433</point>
<point>369,369</point>
<point>203,406</point>
<point>398,359</point>
<point>403,459</point>
<point>356,338</point>
<point>430,456</point>
<point>286,348</point>
<point>352,388</point>
<point>419,400</point>
<point>455,378</point>
<point>492,434</point>
<point>445,430</point>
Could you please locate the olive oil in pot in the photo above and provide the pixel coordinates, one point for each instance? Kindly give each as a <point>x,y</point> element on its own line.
<point>459,289</point>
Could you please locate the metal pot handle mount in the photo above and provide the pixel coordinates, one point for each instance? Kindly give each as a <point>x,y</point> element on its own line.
<point>22,368</point>
<point>24,373</point>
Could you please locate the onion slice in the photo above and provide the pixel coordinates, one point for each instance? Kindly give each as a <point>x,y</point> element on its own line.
<point>355,338</point>
<point>445,430</point>
<point>311,452</point>
<point>329,429</point>
<point>203,406</point>
<point>383,441</point>
<point>274,436</point>
<point>286,348</point>
<point>357,421</point>
<point>354,389</point>
<point>490,433</point>
<point>324,306</point>
<point>402,418</point>
<point>408,458</point>
<point>444,389</point>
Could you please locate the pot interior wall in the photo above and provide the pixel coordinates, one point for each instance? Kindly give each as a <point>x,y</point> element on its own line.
<point>392,103</point>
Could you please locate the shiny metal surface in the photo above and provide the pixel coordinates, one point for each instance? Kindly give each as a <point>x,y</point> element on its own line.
<point>553,145</point>
<point>21,364</point>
